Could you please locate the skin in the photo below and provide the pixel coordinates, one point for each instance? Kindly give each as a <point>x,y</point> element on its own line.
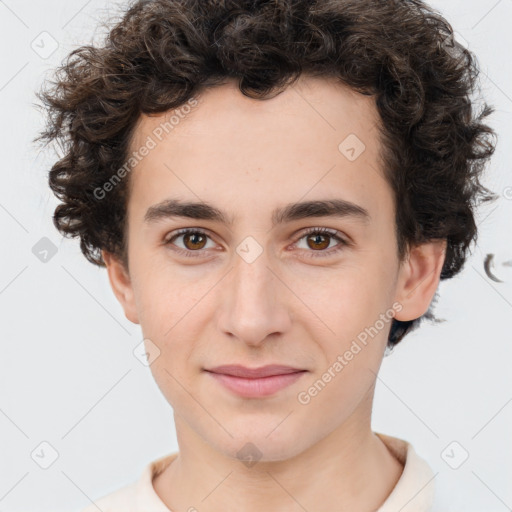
<point>247,157</point>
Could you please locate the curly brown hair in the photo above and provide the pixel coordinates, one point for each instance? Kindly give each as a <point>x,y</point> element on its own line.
<point>163,52</point>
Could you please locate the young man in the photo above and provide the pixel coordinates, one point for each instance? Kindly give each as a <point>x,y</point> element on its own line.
<point>275,189</point>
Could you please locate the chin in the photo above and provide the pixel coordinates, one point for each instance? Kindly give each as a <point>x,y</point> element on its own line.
<point>258,445</point>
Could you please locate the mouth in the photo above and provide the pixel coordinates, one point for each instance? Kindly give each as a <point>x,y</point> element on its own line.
<point>271,370</point>
<point>255,382</point>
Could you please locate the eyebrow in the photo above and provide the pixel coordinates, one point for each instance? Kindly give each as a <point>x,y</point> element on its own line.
<point>170,208</point>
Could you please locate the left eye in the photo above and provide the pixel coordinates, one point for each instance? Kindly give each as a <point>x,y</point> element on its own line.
<point>319,239</point>
<point>194,240</point>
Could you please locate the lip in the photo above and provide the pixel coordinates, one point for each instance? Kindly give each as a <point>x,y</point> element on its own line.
<point>255,382</point>
<point>270,370</point>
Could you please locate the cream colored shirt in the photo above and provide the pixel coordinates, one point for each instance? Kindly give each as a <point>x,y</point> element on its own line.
<point>414,491</point>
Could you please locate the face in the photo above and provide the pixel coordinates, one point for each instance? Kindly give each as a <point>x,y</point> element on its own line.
<point>255,282</point>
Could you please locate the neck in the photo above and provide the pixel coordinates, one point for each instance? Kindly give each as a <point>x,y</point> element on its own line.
<point>350,469</point>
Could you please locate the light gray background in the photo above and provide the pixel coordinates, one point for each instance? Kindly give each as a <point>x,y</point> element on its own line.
<point>67,372</point>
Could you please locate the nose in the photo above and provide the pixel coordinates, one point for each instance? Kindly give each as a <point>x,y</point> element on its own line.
<point>254,301</point>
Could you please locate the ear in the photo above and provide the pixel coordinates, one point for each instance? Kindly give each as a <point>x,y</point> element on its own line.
<point>121,285</point>
<point>418,279</point>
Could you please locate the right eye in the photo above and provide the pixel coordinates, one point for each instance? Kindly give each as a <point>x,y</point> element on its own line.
<point>195,238</point>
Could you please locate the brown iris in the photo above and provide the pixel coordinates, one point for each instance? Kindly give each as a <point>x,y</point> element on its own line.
<point>316,237</point>
<point>194,237</point>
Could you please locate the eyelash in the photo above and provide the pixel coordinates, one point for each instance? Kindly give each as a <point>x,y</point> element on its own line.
<point>321,253</point>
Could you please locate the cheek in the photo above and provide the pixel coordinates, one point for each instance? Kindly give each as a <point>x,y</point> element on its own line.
<point>170,320</point>
<point>351,356</point>
<point>344,300</point>
<point>164,299</point>
<point>173,313</point>
<point>349,305</point>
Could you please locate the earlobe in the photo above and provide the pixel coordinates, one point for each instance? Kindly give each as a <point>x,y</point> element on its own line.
<point>121,284</point>
<point>419,277</point>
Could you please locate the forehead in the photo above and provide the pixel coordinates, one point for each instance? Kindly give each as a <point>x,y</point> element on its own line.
<point>317,136</point>
<point>325,104</point>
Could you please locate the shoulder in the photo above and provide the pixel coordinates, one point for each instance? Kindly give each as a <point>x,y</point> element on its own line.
<point>121,499</point>
<point>135,496</point>
<point>415,490</point>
